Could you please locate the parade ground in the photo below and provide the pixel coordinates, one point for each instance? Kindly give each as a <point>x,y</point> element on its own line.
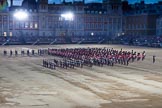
<point>25,83</point>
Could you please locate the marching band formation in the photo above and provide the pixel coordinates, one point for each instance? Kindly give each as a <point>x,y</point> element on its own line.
<point>79,57</point>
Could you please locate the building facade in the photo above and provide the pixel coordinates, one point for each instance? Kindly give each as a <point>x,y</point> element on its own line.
<point>90,20</point>
<point>159,26</point>
<point>140,19</point>
<point>140,24</point>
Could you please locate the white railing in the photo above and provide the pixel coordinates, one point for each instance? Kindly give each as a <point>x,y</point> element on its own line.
<point>80,41</point>
<point>8,40</point>
<point>36,42</point>
<point>101,41</point>
<point>53,42</point>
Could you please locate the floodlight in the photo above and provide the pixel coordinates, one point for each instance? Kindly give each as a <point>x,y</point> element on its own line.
<point>92,34</point>
<point>21,15</point>
<point>68,16</point>
<point>123,33</point>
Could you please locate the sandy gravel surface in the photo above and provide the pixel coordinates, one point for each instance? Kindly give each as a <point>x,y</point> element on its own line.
<point>24,83</point>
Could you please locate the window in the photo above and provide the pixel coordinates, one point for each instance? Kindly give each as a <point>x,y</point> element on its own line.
<point>43,7</point>
<point>43,33</point>
<point>129,26</point>
<point>4,17</point>
<point>0,17</point>
<point>50,19</point>
<point>4,34</point>
<point>43,25</point>
<point>34,18</point>
<point>35,25</point>
<point>110,19</point>
<point>11,25</point>
<point>17,25</point>
<point>11,34</point>
<point>49,25</point>
<point>31,25</point>
<point>92,12</point>
<point>26,25</point>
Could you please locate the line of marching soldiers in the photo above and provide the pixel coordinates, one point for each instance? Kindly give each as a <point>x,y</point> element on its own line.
<point>65,63</point>
<point>98,56</point>
<point>27,52</point>
<point>72,63</point>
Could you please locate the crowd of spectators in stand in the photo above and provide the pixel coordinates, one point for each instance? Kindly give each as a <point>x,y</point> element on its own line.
<point>2,39</point>
<point>39,39</point>
<point>50,39</point>
<point>25,40</point>
<point>11,40</point>
<point>150,41</point>
<point>87,39</point>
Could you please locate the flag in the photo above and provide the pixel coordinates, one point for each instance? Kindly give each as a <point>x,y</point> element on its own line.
<point>3,5</point>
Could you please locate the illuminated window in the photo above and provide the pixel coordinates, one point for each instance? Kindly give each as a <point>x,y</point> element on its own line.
<point>11,34</point>
<point>4,34</point>
<point>31,25</point>
<point>35,25</point>
<point>26,25</point>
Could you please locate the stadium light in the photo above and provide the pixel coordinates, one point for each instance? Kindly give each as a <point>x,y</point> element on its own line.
<point>68,16</point>
<point>92,34</point>
<point>123,33</point>
<point>21,15</point>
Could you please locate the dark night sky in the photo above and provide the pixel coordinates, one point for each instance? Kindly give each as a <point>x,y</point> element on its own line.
<point>18,2</point>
